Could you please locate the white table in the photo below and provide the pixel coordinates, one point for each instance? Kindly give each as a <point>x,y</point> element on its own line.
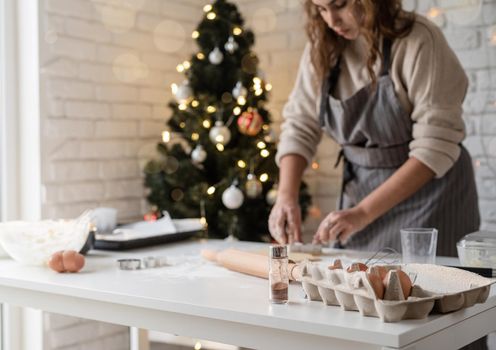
<point>216,304</point>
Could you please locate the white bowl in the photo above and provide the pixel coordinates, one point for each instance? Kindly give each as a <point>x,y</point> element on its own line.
<point>32,243</point>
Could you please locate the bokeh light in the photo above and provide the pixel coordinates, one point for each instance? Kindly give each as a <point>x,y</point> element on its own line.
<point>169,36</point>
<point>264,19</point>
<point>117,19</point>
<point>129,68</point>
<point>51,36</point>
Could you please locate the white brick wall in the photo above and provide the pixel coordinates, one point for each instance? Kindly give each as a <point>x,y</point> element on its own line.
<point>95,127</point>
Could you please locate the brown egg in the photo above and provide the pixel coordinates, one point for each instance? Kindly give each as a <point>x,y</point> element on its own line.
<point>73,261</point>
<point>56,262</point>
<point>405,282</point>
<point>379,270</point>
<point>337,265</point>
<point>357,267</point>
<point>376,283</point>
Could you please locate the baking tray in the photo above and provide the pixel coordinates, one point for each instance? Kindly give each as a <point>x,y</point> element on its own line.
<point>186,228</point>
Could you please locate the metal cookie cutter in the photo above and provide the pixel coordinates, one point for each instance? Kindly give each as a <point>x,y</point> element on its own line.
<point>154,261</point>
<point>129,264</point>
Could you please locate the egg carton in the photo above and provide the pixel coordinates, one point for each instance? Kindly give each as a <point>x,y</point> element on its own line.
<point>435,289</point>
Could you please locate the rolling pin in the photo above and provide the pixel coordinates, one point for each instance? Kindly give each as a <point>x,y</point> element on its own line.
<point>248,263</point>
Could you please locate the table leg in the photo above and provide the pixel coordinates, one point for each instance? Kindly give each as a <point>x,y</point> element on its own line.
<point>138,339</point>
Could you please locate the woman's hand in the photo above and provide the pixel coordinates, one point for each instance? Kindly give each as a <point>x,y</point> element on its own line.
<point>285,221</point>
<point>341,225</point>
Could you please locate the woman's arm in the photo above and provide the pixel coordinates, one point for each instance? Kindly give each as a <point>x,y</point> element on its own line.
<point>408,179</point>
<point>285,217</point>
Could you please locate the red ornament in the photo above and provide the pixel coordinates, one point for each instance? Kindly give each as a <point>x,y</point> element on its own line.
<point>150,216</point>
<point>250,123</point>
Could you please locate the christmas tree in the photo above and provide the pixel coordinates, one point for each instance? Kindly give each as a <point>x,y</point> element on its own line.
<point>217,155</point>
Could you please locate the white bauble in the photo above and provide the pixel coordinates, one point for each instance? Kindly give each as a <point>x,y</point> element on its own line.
<point>253,186</point>
<point>239,90</point>
<point>232,197</point>
<point>220,133</point>
<point>271,196</point>
<point>184,92</point>
<point>215,56</point>
<point>198,155</point>
<point>231,45</point>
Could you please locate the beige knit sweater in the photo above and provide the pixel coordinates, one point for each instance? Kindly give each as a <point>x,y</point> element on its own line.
<point>429,82</point>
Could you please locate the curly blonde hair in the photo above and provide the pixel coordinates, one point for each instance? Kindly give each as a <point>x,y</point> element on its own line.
<point>376,17</point>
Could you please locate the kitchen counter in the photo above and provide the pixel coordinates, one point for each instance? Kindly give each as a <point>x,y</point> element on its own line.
<point>195,298</point>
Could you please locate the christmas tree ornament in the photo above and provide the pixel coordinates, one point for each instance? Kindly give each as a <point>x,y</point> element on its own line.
<point>184,93</point>
<point>231,45</point>
<point>239,90</point>
<point>220,133</point>
<point>253,187</point>
<point>250,123</point>
<point>271,196</point>
<point>198,155</point>
<point>232,197</point>
<point>215,56</point>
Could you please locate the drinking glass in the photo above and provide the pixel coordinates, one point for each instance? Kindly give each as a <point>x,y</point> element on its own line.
<point>419,245</point>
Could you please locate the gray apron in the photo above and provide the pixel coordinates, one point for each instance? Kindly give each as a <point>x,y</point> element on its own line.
<point>374,132</point>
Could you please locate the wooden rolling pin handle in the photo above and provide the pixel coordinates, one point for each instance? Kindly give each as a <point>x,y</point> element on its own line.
<point>245,262</point>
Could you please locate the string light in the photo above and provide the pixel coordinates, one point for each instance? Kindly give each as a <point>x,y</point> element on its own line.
<point>211,190</point>
<point>203,221</point>
<point>198,345</point>
<point>264,177</point>
<point>180,68</point>
<point>261,145</point>
<point>241,100</point>
<point>206,124</point>
<point>182,125</point>
<point>186,64</point>
<point>166,136</point>
<point>207,8</point>
<point>195,136</point>
<point>257,81</point>
<point>200,56</point>
<point>434,12</point>
<point>195,103</point>
<point>265,127</point>
<point>211,109</point>
<point>237,110</point>
<point>264,153</point>
<point>182,107</point>
<point>237,30</point>
<point>220,147</point>
<point>315,165</point>
<point>195,34</point>
<point>268,87</point>
<point>211,15</point>
<point>258,92</point>
<point>241,164</point>
<point>492,35</point>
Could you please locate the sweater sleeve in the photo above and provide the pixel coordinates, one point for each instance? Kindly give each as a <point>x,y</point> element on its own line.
<point>300,130</point>
<point>436,88</point>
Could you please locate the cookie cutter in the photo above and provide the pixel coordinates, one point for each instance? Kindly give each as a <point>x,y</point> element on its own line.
<point>129,264</point>
<point>148,262</point>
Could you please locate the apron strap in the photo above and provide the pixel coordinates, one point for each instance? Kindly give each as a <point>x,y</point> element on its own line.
<point>327,87</point>
<point>386,53</point>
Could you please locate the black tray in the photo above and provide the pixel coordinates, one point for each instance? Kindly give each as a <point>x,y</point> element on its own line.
<point>103,244</point>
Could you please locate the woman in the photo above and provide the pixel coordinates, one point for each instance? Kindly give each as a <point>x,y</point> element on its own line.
<point>385,85</point>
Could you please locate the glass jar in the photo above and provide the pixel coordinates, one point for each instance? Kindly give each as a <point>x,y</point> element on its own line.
<point>278,274</point>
